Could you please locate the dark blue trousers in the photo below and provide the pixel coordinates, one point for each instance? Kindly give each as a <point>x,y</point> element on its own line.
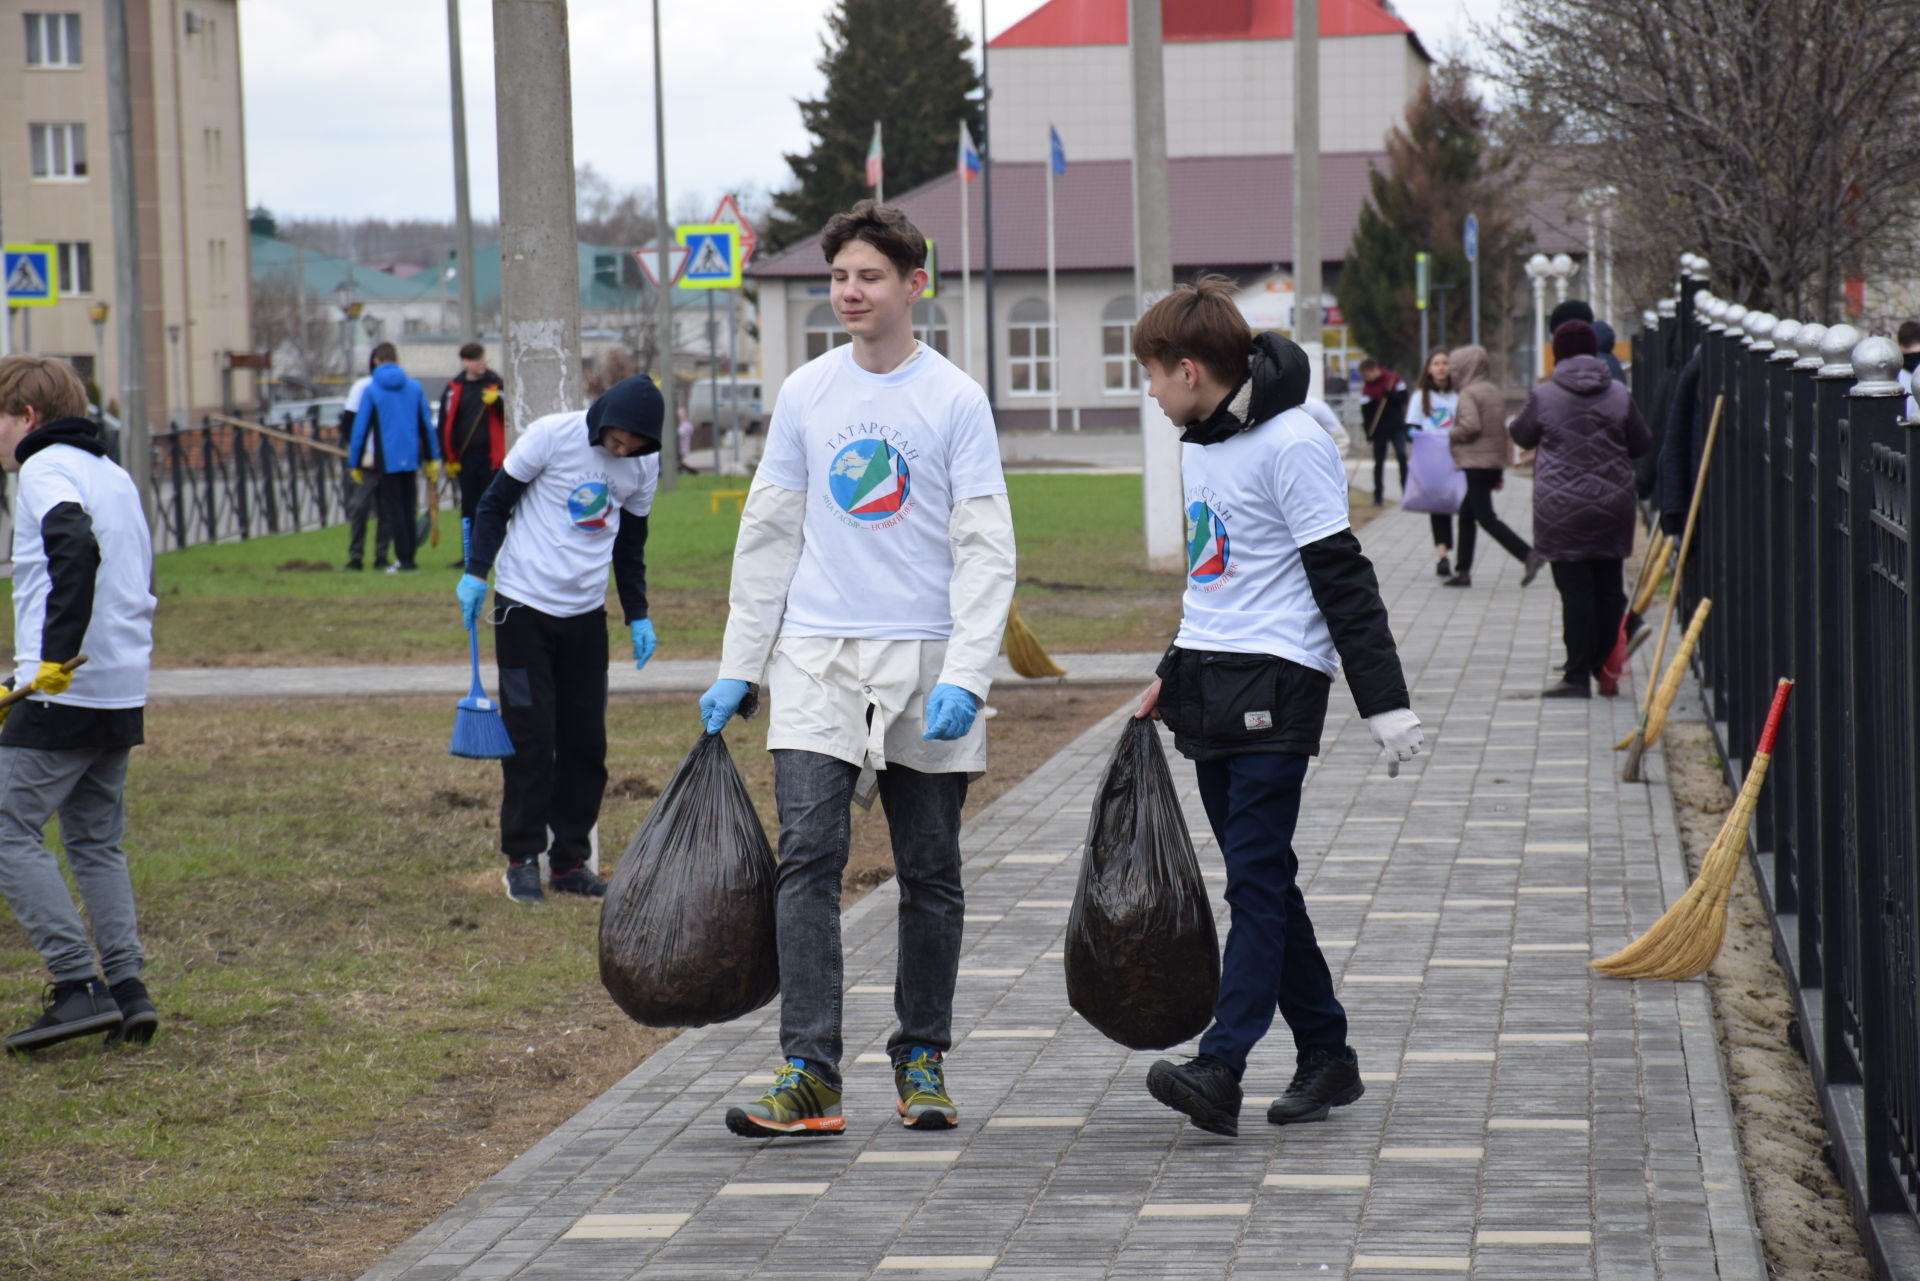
<point>1272,959</point>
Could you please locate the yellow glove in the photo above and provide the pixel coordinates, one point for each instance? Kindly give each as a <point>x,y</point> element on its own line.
<point>433,470</point>
<point>358,477</point>
<point>489,394</point>
<point>52,678</point>
<point>453,469</point>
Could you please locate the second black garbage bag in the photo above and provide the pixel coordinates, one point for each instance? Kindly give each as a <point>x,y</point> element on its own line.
<point>687,927</point>
<point>1143,960</point>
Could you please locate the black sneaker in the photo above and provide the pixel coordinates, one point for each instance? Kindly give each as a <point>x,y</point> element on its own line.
<point>1567,689</point>
<point>581,881</point>
<point>1325,1079</point>
<point>1203,1087</point>
<point>523,881</point>
<point>1443,567</point>
<point>352,566</point>
<point>1461,579</point>
<point>70,1009</point>
<point>136,1007</point>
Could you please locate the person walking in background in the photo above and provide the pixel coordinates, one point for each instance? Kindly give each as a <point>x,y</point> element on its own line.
<point>1383,417</point>
<point>684,430</point>
<point>1587,431</point>
<point>473,428</point>
<point>361,479</point>
<point>1908,336</point>
<point>1431,408</point>
<point>393,417</point>
<point>82,561</point>
<point>1480,449</point>
<point>1604,335</point>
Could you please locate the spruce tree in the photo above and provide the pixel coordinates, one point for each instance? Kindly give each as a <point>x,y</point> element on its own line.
<point>1442,164</point>
<point>903,63</point>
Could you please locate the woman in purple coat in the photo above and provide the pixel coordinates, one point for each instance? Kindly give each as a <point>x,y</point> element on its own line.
<point>1586,430</point>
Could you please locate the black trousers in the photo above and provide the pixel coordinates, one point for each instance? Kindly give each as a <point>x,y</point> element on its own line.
<point>553,697</point>
<point>399,503</point>
<point>1476,512</point>
<point>473,483</point>
<point>1442,528</point>
<point>1593,599</point>
<point>363,502</point>
<point>1384,438</point>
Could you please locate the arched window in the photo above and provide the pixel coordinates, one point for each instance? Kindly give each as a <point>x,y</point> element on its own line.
<point>824,332</point>
<point>930,325</point>
<point>1116,347</point>
<point>1029,349</point>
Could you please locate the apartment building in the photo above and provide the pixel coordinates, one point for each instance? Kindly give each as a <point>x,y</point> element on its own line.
<point>189,167</point>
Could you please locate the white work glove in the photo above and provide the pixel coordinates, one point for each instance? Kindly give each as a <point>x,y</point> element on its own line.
<point>1398,734</point>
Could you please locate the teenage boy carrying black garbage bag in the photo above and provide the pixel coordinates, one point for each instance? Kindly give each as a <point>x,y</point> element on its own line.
<point>1278,595</point>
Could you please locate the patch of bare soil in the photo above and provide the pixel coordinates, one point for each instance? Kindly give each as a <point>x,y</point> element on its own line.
<point>384,1190</point>
<point>1805,1219</point>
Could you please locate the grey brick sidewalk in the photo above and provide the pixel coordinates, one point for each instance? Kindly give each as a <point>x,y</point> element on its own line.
<point>1523,1118</point>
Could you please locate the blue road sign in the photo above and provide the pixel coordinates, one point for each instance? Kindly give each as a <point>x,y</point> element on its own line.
<point>1472,238</point>
<point>28,272</point>
<point>713,255</point>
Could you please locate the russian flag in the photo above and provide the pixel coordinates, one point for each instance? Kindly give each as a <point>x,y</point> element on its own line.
<point>969,165</point>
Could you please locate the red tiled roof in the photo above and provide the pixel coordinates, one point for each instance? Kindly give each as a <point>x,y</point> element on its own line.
<point>1088,22</point>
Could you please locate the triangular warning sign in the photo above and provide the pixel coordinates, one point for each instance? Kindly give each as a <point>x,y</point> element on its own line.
<point>25,278</point>
<point>709,259</point>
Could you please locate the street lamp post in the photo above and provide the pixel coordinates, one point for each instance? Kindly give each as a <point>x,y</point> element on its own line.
<point>174,419</point>
<point>1563,270</point>
<point>1539,267</point>
<point>98,315</point>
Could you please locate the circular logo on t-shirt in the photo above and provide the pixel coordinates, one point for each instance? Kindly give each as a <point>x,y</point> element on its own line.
<point>1208,551</point>
<point>587,505</point>
<point>869,480</point>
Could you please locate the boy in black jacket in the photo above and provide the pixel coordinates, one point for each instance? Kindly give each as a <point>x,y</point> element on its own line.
<point>1278,595</point>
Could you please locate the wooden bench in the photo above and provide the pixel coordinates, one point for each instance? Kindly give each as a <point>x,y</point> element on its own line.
<point>715,497</point>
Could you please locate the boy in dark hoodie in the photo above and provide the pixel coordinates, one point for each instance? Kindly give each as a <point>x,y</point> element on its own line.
<point>82,561</point>
<point>393,412</point>
<point>571,497</point>
<point>1278,596</point>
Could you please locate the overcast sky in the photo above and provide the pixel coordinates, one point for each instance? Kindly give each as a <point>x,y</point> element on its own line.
<point>348,115</point>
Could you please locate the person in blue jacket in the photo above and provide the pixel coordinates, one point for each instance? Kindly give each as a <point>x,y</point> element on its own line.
<point>393,409</point>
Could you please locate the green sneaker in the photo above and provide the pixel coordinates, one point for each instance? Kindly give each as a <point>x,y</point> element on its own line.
<point>924,1104</point>
<point>798,1103</point>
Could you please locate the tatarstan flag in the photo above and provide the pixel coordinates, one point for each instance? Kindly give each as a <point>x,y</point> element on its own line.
<point>879,487</point>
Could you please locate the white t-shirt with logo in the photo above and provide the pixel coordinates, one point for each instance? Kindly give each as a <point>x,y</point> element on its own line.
<point>560,539</point>
<point>882,458</point>
<point>1252,501</point>
<point>119,639</point>
<point>1437,418</point>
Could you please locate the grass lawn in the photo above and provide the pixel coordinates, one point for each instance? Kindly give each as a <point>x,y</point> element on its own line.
<point>357,1025</point>
<point>280,600</point>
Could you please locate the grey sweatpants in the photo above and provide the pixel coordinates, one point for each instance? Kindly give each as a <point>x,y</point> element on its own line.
<point>87,790</point>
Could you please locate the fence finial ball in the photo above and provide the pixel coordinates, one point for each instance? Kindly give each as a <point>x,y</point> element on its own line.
<point>1786,338</point>
<point>1666,308</point>
<point>1717,314</point>
<point>1836,351</point>
<point>1759,326</point>
<point>1807,343</point>
<point>1702,299</point>
<point>1875,360</point>
<point>1701,267</point>
<point>1735,317</point>
<point>1650,320</point>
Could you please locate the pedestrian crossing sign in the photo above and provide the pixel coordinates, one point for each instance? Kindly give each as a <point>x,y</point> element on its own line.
<point>29,276</point>
<point>713,255</point>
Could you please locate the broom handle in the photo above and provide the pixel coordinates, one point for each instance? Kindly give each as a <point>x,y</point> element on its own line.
<point>473,633</point>
<point>14,696</point>
<point>1686,545</point>
<point>1774,714</point>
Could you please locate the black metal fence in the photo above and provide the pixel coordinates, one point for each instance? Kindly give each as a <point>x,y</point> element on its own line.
<point>216,482</point>
<point>1806,546</point>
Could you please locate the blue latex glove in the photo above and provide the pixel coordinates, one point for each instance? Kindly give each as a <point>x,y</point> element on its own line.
<point>720,702</point>
<point>950,712</point>
<point>473,594</point>
<point>644,641</point>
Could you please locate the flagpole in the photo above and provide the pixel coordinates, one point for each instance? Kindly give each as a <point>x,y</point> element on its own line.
<point>966,264</point>
<point>1053,307</point>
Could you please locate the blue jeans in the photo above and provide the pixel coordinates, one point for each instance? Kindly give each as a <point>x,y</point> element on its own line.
<point>1272,959</point>
<point>813,792</point>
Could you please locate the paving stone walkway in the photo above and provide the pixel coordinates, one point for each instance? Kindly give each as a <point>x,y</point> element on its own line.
<point>1524,1119</point>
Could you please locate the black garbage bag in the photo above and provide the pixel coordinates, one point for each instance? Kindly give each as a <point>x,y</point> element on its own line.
<point>1143,961</point>
<point>686,929</point>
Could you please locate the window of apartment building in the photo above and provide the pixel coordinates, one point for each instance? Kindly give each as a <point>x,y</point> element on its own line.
<point>58,151</point>
<point>206,33</point>
<point>74,261</point>
<point>930,325</point>
<point>53,40</point>
<point>824,332</point>
<point>412,327</point>
<point>1116,347</point>
<point>213,142</point>
<point>1029,349</point>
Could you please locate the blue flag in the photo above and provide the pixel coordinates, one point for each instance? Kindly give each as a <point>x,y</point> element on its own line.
<point>1057,154</point>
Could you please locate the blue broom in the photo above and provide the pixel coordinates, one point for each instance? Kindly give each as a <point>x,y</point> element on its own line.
<point>478,732</point>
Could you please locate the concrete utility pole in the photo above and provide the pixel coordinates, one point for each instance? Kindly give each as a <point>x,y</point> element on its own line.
<point>462,202</point>
<point>539,242</point>
<point>1306,188</point>
<point>136,430</point>
<point>986,214</point>
<point>1163,508</point>
<point>663,294</point>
